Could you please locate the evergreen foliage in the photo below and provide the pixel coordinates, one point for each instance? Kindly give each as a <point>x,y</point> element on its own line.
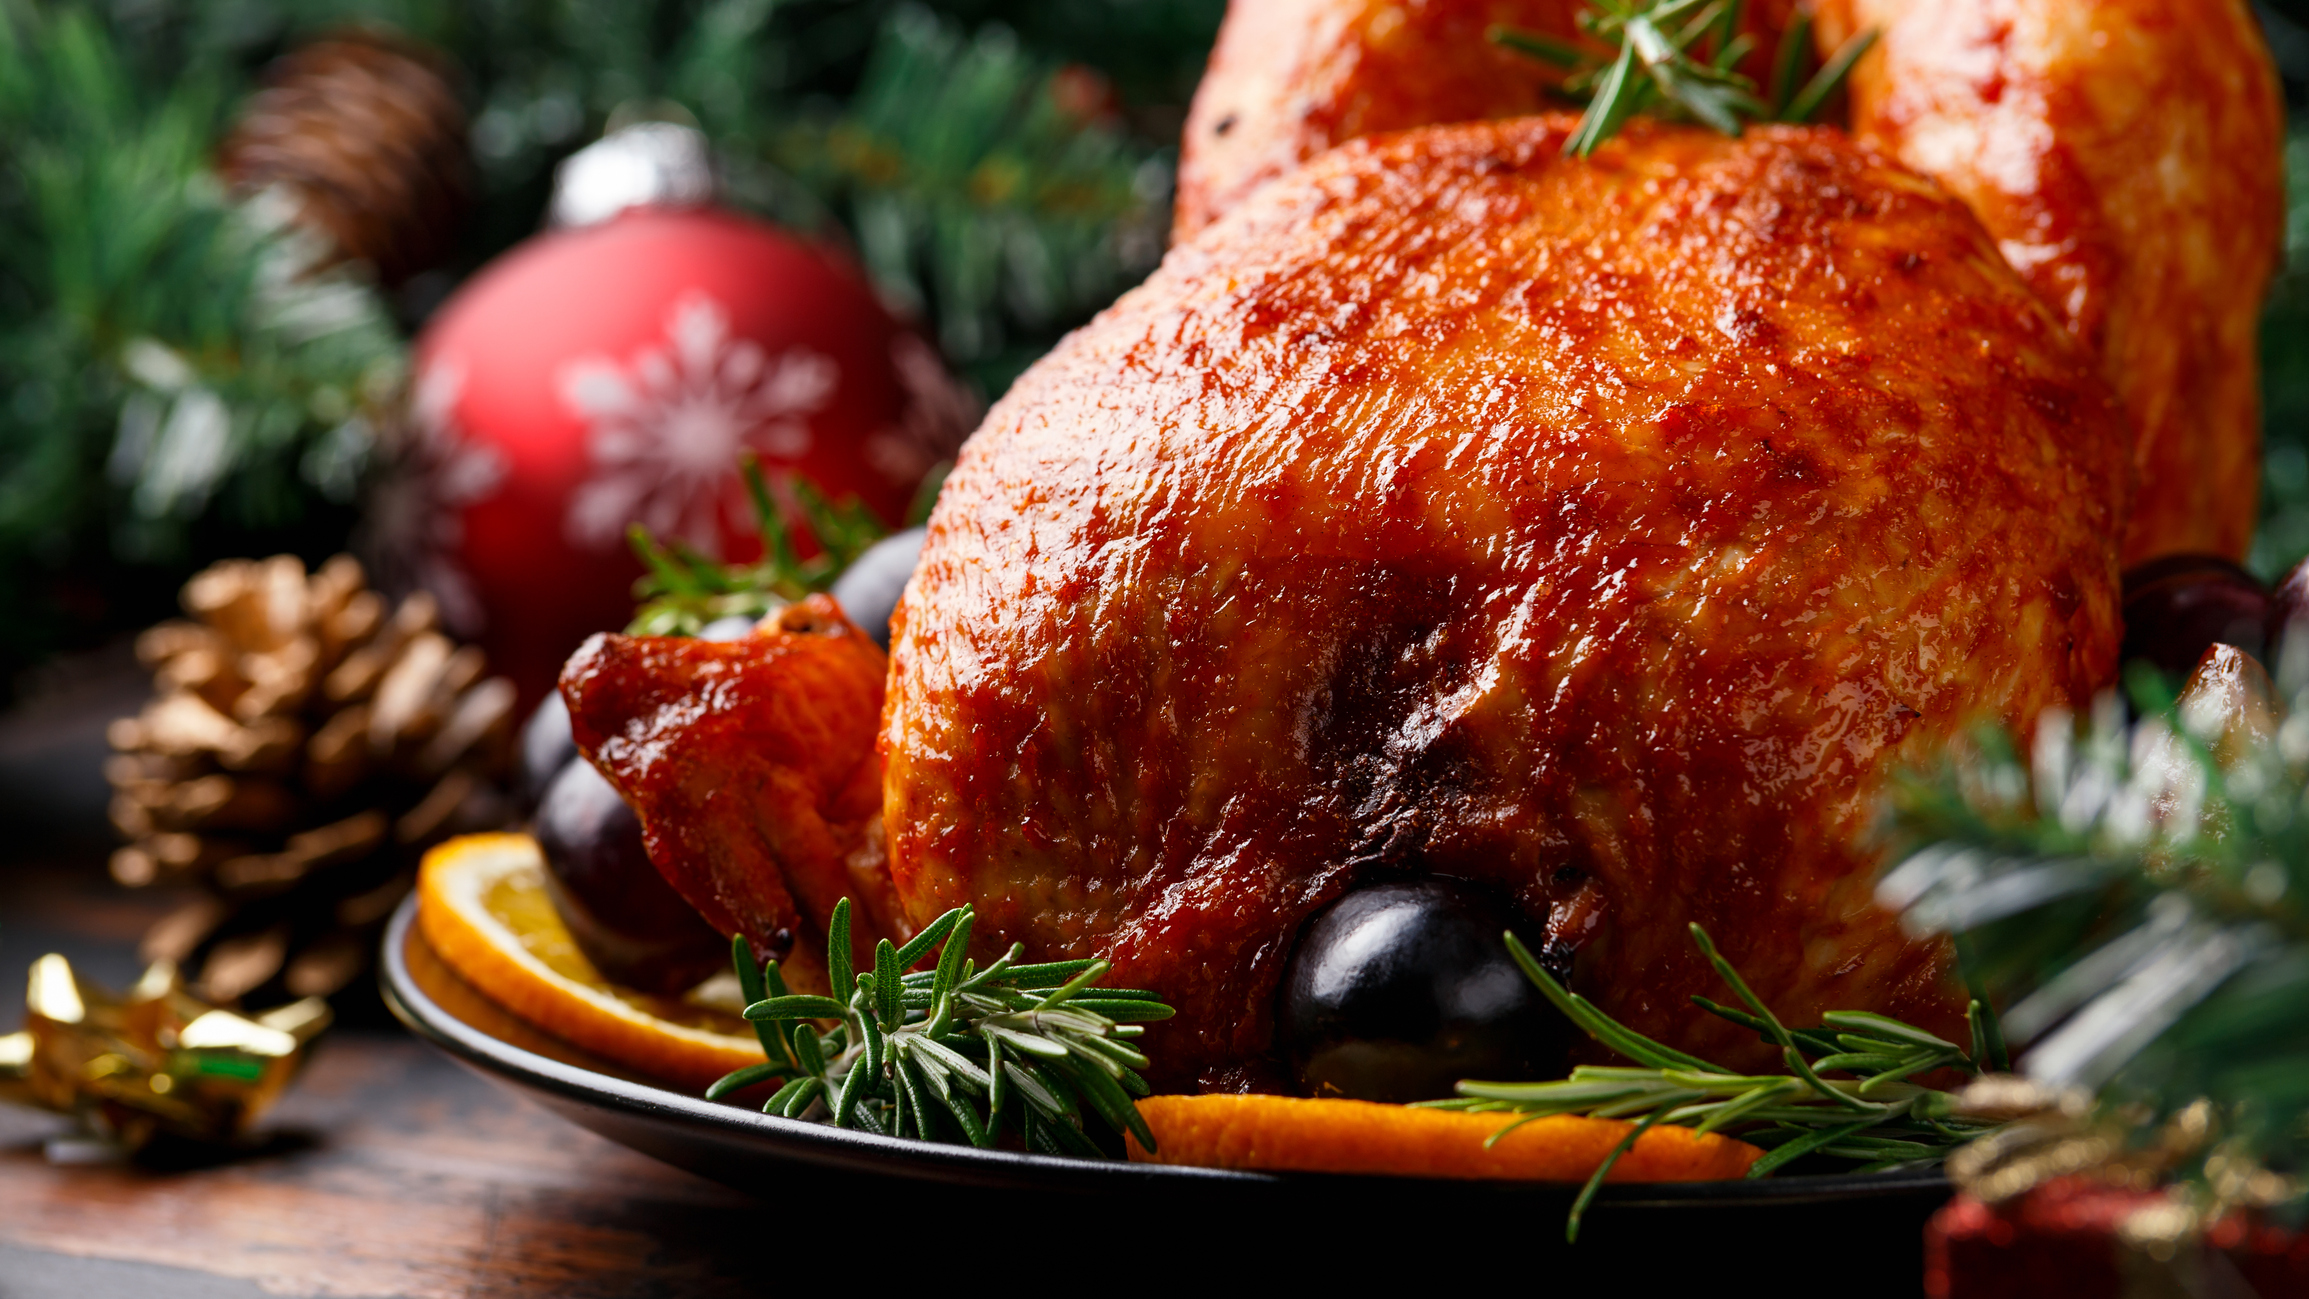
<point>2284,535</point>
<point>2136,897</point>
<point>2283,538</point>
<point>172,380</point>
<point>985,189</point>
<point>165,353</point>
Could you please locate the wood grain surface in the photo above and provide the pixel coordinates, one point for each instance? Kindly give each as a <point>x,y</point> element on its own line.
<point>386,1171</point>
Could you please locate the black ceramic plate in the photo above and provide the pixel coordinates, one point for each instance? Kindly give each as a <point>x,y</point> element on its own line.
<point>1876,1220</point>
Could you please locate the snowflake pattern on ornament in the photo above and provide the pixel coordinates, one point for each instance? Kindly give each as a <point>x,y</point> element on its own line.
<point>414,522</point>
<point>664,430</point>
<point>939,413</point>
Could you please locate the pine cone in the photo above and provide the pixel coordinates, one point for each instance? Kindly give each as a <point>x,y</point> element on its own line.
<point>303,745</point>
<point>368,134</point>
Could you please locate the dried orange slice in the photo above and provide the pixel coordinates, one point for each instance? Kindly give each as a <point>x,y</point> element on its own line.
<point>481,903</point>
<point>1340,1136</point>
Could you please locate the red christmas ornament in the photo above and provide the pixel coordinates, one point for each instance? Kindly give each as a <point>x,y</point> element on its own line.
<point>613,374</point>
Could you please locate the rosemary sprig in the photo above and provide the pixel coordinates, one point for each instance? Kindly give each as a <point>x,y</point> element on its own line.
<point>1877,1117</point>
<point>1680,58</point>
<point>953,1053</point>
<point>684,590</point>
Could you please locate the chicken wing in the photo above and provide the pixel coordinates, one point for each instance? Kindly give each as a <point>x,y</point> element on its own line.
<point>752,768</point>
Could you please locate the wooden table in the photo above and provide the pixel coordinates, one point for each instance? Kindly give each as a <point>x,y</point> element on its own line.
<point>388,1171</point>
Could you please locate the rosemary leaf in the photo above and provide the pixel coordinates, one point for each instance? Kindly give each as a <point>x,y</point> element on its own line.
<point>1595,1023</point>
<point>1817,1043</point>
<point>1829,79</point>
<point>807,1051</point>
<point>1680,58</point>
<point>839,975</point>
<point>794,1006</point>
<point>1546,49</point>
<point>1788,62</point>
<point>805,1095</point>
<point>1805,1145</point>
<point>950,958</point>
<point>776,1104</point>
<point>931,936</point>
<point>1596,1180</point>
<point>683,590</point>
<point>740,1079</point>
<point>847,1110</point>
<point>1048,975</point>
<point>754,984</point>
<point>889,1006</point>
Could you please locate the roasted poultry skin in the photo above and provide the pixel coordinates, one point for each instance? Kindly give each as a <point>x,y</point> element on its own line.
<point>751,766</point>
<point>2125,155</point>
<point>1603,530</point>
<point>1290,78</point>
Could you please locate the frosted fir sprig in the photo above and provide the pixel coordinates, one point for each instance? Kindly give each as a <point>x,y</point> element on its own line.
<point>2133,893</point>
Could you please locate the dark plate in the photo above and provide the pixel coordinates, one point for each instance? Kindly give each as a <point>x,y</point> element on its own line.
<point>1695,1227</point>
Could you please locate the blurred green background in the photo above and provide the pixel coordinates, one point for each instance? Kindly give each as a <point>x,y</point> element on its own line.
<point>2284,536</point>
<point>923,135</point>
<point>1001,168</point>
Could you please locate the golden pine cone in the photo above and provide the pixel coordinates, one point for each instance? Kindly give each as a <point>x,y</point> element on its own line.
<point>367,133</point>
<point>304,743</point>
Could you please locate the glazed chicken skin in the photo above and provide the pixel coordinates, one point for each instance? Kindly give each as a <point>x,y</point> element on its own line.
<point>1602,530</point>
<point>751,767</point>
<point>2123,153</point>
<point>1288,79</point>
<point>2126,154</point>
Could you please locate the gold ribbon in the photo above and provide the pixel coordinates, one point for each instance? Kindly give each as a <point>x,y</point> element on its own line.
<point>157,1060</point>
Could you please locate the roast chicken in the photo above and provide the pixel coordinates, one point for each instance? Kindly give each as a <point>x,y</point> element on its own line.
<point>1604,531</point>
<point>2124,154</point>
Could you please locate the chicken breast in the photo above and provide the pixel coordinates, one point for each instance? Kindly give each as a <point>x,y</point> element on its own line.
<point>2123,153</point>
<point>1602,530</point>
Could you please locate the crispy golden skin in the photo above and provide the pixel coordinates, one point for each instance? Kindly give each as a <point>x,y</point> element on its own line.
<point>2123,153</point>
<point>1291,78</point>
<point>1604,530</point>
<point>2126,155</point>
<point>752,768</point>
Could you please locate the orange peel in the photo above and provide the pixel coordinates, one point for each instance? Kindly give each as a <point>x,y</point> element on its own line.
<point>482,905</point>
<point>1290,1133</point>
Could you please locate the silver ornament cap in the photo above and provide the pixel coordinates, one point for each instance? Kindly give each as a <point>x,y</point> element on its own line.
<point>646,164</point>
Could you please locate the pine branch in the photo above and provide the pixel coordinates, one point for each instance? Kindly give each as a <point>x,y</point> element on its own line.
<point>169,355</point>
<point>683,591</point>
<point>981,189</point>
<point>2141,904</point>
